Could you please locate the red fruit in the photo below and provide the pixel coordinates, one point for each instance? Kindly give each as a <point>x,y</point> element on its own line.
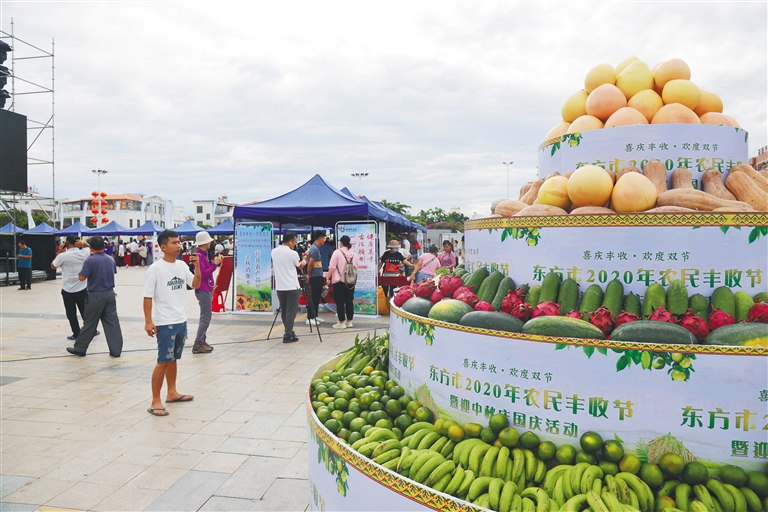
<point>624,317</point>
<point>510,302</point>
<point>574,314</point>
<point>483,306</point>
<point>402,296</point>
<point>695,324</point>
<point>661,314</point>
<point>522,310</point>
<point>436,297</point>
<point>466,296</point>
<point>449,284</point>
<point>424,288</point>
<point>548,308</point>
<point>719,318</point>
<point>758,313</point>
<point>602,319</point>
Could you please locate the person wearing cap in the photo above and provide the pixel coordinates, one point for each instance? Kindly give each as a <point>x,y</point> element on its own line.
<point>204,293</point>
<point>391,263</point>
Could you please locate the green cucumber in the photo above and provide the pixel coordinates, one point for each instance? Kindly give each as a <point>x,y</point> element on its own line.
<point>505,286</point>
<point>751,334</point>
<point>476,279</point>
<point>563,326</point>
<point>614,297</point>
<point>677,298</point>
<point>568,296</point>
<point>496,321</point>
<point>699,304</point>
<point>550,287</point>
<point>650,331</point>
<point>490,284</point>
<point>743,304</point>
<point>722,298</point>
<point>591,300</point>
<point>655,297</point>
<point>632,304</point>
<point>532,298</point>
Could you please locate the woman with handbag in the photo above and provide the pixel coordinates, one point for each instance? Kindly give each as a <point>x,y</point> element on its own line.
<point>425,266</point>
<point>343,279</point>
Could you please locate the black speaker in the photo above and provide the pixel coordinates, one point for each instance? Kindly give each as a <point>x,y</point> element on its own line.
<point>13,151</point>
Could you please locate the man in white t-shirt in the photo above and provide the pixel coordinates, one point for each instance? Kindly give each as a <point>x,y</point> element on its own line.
<point>165,299</point>
<point>73,290</point>
<point>285,261</point>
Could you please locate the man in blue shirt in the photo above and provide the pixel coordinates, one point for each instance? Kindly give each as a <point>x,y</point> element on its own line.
<point>24,266</point>
<point>99,269</point>
<point>315,274</point>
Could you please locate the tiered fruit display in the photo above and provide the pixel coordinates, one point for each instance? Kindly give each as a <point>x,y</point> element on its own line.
<point>634,93</point>
<point>559,307</point>
<point>593,190</point>
<point>498,468</point>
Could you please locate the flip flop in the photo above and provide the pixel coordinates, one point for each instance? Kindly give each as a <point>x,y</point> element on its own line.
<point>156,411</point>
<point>182,398</point>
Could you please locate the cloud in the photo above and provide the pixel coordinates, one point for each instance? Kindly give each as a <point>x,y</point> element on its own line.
<point>190,100</point>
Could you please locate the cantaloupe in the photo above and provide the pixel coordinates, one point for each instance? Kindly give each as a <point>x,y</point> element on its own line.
<point>604,101</point>
<point>626,116</point>
<point>675,113</point>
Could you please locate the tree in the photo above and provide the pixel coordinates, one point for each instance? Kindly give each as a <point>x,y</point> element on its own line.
<point>400,208</point>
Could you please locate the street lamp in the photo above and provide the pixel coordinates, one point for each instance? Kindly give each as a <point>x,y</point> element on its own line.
<point>507,164</point>
<point>360,176</point>
<point>101,202</point>
<point>99,172</point>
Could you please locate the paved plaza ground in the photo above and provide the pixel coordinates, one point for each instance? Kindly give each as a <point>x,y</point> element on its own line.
<point>75,433</point>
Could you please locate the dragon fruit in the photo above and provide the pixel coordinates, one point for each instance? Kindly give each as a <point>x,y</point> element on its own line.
<point>436,297</point>
<point>483,306</point>
<point>602,319</point>
<point>758,313</point>
<point>424,288</point>
<point>522,310</point>
<point>574,314</point>
<point>719,318</point>
<point>625,317</point>
<point>402,295</point>
<point>661,314</point>
<point>695,324</point>
<point>449,284</point>
<point>548,308</point>
<point>510,301</point>
<point>466,296</point>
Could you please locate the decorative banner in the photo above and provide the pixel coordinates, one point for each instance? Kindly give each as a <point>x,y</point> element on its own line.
<point>363,236</point>
<point>697,147</point>
<point>638,256</point>
<point>253,267</point>
<point>715,404</point>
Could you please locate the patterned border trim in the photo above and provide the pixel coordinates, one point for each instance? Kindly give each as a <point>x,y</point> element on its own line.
<point>581,342</point>
<point>622,220</point>
<point>384,477</point>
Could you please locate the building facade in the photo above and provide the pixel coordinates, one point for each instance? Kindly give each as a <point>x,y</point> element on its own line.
<point>212,212</point>
<point>760,162</point>
<point>128,210</point>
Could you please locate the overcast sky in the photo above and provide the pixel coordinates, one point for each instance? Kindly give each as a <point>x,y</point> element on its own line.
<point>192,100</point>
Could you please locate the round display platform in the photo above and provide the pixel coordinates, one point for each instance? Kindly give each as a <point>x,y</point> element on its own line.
<point>696,146</point>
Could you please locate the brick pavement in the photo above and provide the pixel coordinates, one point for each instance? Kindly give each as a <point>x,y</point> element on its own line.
<point>75,433</point>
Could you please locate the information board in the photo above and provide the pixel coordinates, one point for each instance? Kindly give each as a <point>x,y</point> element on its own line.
<point>364,240</point>
<point>253,267</point>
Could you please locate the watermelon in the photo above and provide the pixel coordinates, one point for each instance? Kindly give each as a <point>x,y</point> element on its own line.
<point>650,331</point>
<point>751,334</point>
<point>564,326</point>
<point>418,306</point>
<point>492,320</point>
<point>449,310</point>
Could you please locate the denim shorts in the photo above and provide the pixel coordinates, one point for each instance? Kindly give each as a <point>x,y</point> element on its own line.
<point>170,342</point>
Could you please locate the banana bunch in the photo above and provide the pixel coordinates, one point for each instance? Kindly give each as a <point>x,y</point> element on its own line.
<point>714,496</point>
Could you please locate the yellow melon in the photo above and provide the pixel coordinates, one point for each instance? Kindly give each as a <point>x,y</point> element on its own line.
<point>647,103</point>
<point>604,101</point>
<point>675,113</point>
<point>633,192</point>
<point>584,124</point>
<point>626,116</point>
<point>589,185</point>
<point>599,75</point>
<point>554,192</point>
<point>715,118</point>
<point>672,69</point>
<point>735,123</point>
<point>558,130</point>
<point>684,92</point>
<point>708,102</point>
<point>635,78</point>
<point>623,64</point>
<point>574,106</point>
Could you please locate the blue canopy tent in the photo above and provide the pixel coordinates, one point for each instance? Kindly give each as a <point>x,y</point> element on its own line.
<point>41,229</point>
<point>11,228</point>
<point>225,228</point>
<point>113,229</point>
<point>75,229</point>
<point>148,228</point>
<point>315,202</point>
<point>187,229</point>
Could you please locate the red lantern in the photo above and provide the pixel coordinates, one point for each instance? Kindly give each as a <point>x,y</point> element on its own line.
<point>94,220</point>
<point>95,202</point>
<point>104,203</point>
<point>95,211</point>
<point>103,194</point>
<point>95,194</point>
<point>103,212</point>
<point>104,220</point>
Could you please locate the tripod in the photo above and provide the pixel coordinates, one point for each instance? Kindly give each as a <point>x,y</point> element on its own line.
<point>305,292</point>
